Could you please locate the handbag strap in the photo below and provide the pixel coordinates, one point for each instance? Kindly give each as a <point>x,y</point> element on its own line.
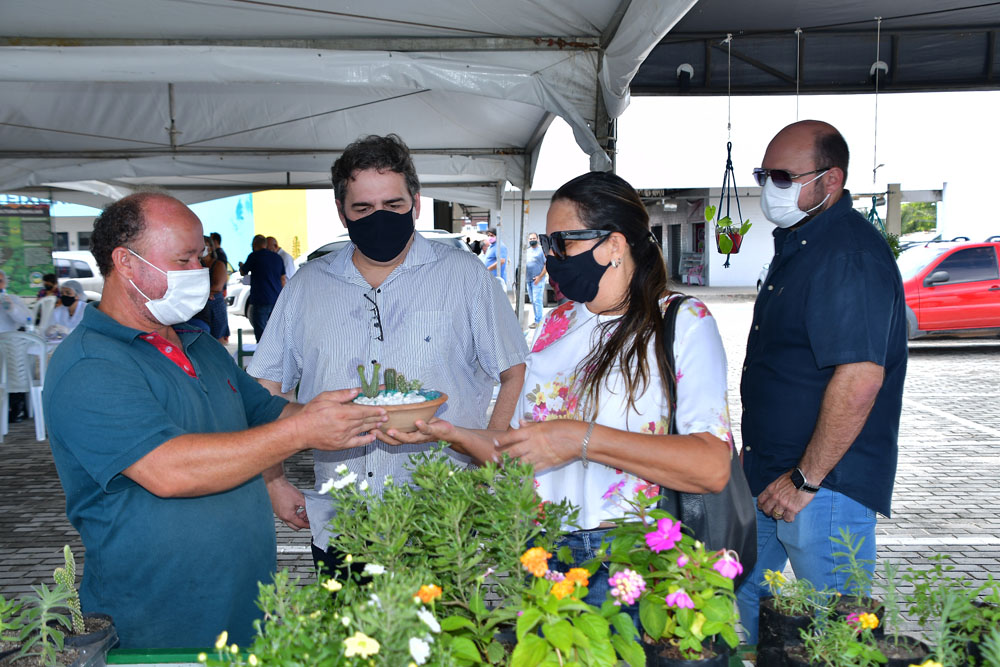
<point>667,341</point>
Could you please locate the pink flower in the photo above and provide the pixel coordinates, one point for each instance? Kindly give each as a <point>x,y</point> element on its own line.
<point>650,490</point>
<point>682,560</point>
<point>666,535</point>
<point>614,489</point>
<point>552,575</point>
<point>728,566</point>
<point>555,326</point>
<point>626,586</point>
<point>680,599</point>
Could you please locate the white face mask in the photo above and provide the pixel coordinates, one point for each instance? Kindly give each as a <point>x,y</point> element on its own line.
<point>187,293</point>
<point>781,206</point>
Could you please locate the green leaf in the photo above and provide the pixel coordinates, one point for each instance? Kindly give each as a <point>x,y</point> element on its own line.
<point>630,651</point>
<point>476,605</point>
<point>717,580</point>
<point>495,652</point>
<point>529,652</point>
<point>725,244</point>
<point>621,546</point>
<point>709,213</point>
<point>653,616</point>
<point>453,623</point>
<point>594,626</point>
<point>527,621</point>
<point>559,634</point>
<point>464,648</point>
<point>745,227</point>
<point>624,625</point>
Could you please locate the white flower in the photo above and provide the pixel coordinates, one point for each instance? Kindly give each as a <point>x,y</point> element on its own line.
<point>345,621</point>
<point>327,485</point>
<point>372,568</point>
<point>373,601</point>
<point>428,618</point>
<point>419,650</point>
<point>344,481</point>
<point>341,469</point>
<point>364,485</point>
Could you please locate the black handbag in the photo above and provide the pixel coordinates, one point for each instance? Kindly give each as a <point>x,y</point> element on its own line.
<point>724,520</point>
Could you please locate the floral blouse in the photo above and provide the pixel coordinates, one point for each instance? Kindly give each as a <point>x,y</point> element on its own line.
<point>551,391</point>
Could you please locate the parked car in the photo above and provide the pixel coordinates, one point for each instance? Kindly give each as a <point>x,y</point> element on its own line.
<point>763,275</point>
<point>952,288</point>
<point>81,266</point>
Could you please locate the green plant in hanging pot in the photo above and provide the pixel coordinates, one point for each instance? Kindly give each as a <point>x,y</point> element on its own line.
<point>728,234</point>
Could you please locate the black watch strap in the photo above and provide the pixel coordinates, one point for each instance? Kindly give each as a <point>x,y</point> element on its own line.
<point>799,480</point>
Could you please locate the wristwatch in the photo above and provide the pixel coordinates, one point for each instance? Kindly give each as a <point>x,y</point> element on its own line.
<point>799,480</point>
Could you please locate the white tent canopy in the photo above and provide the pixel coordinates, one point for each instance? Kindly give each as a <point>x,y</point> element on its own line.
<point>214,97</point>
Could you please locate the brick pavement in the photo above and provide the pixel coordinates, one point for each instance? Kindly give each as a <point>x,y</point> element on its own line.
<point>946,495</point>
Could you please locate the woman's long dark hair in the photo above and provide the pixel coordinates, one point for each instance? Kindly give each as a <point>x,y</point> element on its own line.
<point>606,201</point>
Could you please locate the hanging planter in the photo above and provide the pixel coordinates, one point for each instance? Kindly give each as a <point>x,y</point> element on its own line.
<point>728,233</point>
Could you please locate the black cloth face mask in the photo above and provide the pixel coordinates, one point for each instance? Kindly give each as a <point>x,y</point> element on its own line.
<point>382,235</point>
<point>578,276</point>
<point>67,300</point>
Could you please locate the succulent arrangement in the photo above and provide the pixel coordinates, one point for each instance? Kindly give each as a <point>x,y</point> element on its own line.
<point>394,381</point>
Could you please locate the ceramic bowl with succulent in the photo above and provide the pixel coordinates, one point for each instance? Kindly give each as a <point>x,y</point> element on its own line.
<point>406,401</point>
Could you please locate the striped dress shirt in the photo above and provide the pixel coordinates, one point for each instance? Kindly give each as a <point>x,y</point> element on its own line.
<point>438,317</point>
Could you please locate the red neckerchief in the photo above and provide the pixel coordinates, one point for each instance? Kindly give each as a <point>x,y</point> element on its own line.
<point>174,353</point>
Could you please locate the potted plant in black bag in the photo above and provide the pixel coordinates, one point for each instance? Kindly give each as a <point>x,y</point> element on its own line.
<point>784,615</point>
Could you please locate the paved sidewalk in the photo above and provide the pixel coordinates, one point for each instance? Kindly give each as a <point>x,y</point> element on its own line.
<point>946,496</point>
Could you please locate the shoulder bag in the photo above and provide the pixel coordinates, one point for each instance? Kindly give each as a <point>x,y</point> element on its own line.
<point>724,520</point>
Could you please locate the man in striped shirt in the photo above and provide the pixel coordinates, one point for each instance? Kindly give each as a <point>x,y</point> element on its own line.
<point>392,297</point>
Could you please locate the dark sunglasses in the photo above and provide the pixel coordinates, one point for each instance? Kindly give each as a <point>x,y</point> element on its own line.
<point>781,178</point>
<point>556,241</point>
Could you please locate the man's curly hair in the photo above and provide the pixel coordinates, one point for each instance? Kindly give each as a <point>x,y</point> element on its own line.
<point>388,153</point>
<point>119,225</point>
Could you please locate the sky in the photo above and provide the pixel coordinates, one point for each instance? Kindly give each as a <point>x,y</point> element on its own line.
<point>924,139</point>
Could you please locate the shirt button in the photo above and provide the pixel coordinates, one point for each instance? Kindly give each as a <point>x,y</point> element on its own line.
<point>378,291</point>
<point>370,474</point>
<point>756,328</point>
<point>374,362</point>
<point>770,287</point>
<point>803,241</point>
<point>744,368</point>
<point>747,448</point>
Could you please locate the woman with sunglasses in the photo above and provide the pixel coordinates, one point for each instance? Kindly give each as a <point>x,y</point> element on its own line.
<point>594,414</point>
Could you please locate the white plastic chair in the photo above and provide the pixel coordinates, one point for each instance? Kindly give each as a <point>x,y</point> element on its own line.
<point>43,312</point>
<point>21,349</point>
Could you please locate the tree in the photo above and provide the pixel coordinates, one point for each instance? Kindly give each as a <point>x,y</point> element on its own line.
<point>919,217</point>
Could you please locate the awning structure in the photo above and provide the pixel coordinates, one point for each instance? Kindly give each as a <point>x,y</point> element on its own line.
<point>215,97</point>
<point>810,47</point>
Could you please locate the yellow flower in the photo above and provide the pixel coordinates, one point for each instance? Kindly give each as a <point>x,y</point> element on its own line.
<point>221,640</point>
<point>332,585</point>
<point>579,575</point>
<point>536,561</point>
<point>348,558</point>
<point>316,614</point>
<point>928,663</point>
<point>361,645</point>
<point>774,579</point>
<point>428,593</point>
<point>868,621</point>
<point>563,588</point>
<point>202,657</point>
<point>234,649</point>
<point>253,661</point>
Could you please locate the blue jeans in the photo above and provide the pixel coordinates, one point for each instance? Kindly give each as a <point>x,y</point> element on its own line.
<point>805,542</point>
<point>537,293</point>
<point>583,545</point>
<point>259,315</point>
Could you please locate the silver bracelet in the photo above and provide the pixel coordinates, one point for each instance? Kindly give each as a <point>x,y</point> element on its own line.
<point>586,441</point>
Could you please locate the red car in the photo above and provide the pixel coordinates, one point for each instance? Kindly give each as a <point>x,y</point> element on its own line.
<point>952,288</point>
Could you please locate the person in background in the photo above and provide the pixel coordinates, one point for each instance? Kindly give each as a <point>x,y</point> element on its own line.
<point>69,312</point>
<point>496,257</point>
<point>50,286</point>
<point>14,313</point>
<point>822,383</point>
<point>218,320</point>
<point>267,278</point>
<point>159,439</point>
<point>594,414</point>
<point>536,277</point>
<point>272,245</point>
<point>220,254</point>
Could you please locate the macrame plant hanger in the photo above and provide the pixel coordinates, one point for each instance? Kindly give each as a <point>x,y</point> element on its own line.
<point>728,234</point>
<point>877,67</point>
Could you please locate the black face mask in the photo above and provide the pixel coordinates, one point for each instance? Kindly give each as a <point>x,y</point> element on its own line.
<point>532,243</point>
<point>67,300</point>
<point>578,276</point>
<point>382,235</point>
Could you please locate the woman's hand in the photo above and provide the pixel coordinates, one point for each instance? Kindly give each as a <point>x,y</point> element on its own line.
<point>544,444</point>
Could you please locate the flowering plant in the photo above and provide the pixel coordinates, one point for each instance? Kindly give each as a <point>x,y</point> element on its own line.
<point>796,597</point>
<point>842,642</point>
<point>685,593</point>
<point>571,631</point>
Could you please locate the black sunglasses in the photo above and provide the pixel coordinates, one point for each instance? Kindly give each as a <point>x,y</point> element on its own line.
<point>556,241</point>
<point>376,318</point>
<point>780,177</point>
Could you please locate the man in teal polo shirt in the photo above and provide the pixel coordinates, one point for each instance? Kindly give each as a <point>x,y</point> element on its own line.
<point>160,440</point>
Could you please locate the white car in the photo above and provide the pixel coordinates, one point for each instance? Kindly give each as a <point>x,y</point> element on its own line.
<point>763,275</point>
<point>79,265</point>
<point>237,293</point>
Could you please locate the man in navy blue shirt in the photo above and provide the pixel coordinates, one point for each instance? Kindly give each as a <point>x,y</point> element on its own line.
<point>267,277</point>
<point>823,377</point>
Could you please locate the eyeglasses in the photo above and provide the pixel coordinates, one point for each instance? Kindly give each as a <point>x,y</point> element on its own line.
<point>376,318</point>
<point>780,177</point>
<point>556,241</point>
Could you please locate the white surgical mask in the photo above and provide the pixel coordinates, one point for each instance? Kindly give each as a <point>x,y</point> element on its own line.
<point>186,295</point>
<point>781,206</point>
